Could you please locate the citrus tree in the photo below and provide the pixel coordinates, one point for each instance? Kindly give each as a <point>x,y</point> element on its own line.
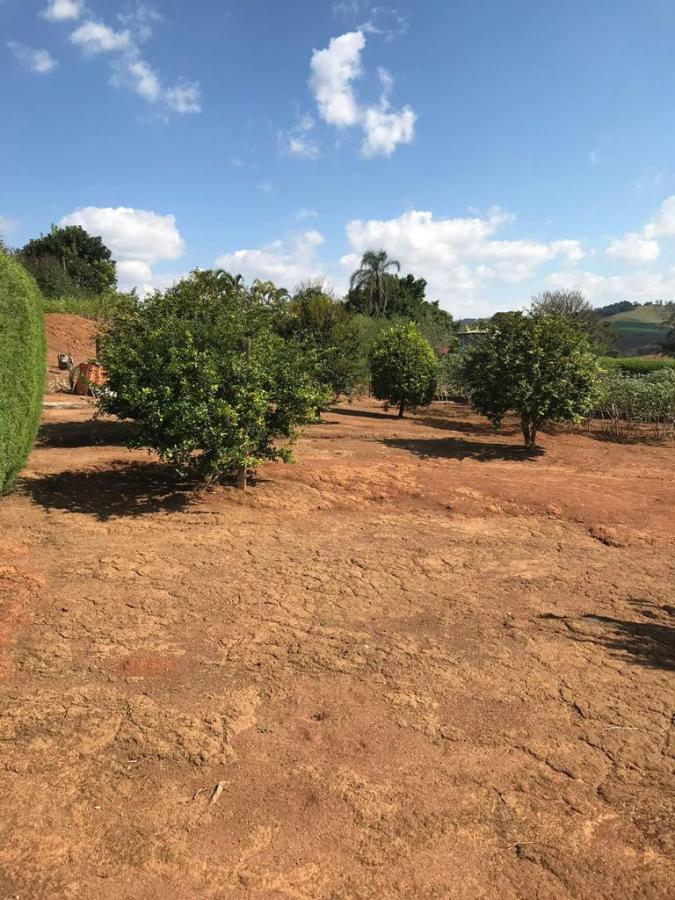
<point>212,385</point>
<point>403,367</point>
<point>539,367</point>
<point>22,367</point>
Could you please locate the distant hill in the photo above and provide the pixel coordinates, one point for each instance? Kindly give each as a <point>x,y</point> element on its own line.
<point>640,330</point>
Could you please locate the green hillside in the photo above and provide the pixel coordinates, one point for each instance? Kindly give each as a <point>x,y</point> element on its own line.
<point>639,330</point>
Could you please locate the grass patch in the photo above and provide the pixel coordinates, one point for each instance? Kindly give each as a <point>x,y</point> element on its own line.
<point>637,365</point>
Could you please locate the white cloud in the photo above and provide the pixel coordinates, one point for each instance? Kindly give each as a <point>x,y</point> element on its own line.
<point>60,10</point>
<point>129,68</point>
<point>138,238</point>
<point>131,234</point>
<point>97,37</point>
<point>184,97</point>
<point>594,158</point>
<point>304,213</point>
<point>641,286</point>
<point>456,256</point>
<point>145,81</point>
<point>634,248</point>
<point>386,130</point>
<point>296,141</point>
<point>39,61</point>
<point>286,263</point>
<point>333,71</point>
<point>663,224</point>
<point>265,187</point>
<point>372,17</point>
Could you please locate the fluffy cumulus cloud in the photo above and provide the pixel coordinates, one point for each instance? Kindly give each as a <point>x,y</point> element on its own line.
<point>122,46</point>
<point>61,10</point>
<point>641,247</point>
<point>634,248</point>
<point>459,257</point>
<point>333,71</point>
<point>285,262</point>
<point>38,61</point>
<point>599,288</point>
<point>138,239</point>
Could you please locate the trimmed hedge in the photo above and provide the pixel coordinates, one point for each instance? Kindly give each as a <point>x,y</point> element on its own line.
<point>636,365</point>
<point>22,367</point>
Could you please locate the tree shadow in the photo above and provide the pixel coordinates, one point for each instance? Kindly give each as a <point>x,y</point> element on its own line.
<point>460,448</point>
<point>650,644</point>
<point>462,426</point>
<point>124,489</point>
<point>91,433</point>
<point>362,413</point>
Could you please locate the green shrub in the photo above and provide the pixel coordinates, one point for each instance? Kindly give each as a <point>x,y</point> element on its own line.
<point>403,367</point>
<point>636,365</point>
<point>626,401</point>
<point>22,367</point>
<point>212,385</point>
<point>539,367</point>
<point>101,307</point>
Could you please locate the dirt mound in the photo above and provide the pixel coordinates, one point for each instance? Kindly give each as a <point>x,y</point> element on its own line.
<point>67,333</point>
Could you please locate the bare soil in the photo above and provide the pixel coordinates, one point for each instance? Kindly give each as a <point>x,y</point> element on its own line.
<point>67,333</point>
<point>419,663</point>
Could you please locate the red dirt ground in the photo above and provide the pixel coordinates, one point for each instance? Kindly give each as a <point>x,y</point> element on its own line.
<point>418,663</point>
<point>68,334</point>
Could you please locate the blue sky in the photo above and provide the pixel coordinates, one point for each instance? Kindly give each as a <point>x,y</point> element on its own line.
<point>496,148</point>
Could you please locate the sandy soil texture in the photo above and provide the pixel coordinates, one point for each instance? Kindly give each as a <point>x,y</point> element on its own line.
<point>419,663</point>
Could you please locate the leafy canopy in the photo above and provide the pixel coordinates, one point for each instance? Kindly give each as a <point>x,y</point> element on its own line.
<point>403,367</point>
<point>68,260</point>
<point>540,367</point>
<point>330,337</point>
<point>202,369</point>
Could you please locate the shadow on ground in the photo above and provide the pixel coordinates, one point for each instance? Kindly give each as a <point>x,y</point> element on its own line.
<point>650,644</point>
<point>463,427</point>
<point>133,489</point>
<point>92,433</point>
<point>361,413</point>
<point>461,448</point>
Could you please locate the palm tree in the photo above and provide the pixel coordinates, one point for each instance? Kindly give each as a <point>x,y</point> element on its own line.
<point>370,278</point>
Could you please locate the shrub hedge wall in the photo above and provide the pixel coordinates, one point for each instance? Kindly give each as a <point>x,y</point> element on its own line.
<point>22,367</point>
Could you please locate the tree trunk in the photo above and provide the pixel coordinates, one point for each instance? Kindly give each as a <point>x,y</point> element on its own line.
<point>529,427</point>
<point>241,478</point>
<point>401,408</point>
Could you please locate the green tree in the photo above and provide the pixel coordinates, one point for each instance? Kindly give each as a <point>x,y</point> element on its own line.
<point>370,280</point>
<point>330,336</point>
<point>212,385</point>
<point>540,367</point>
<point>68,260</point>
<point>403,367</point>
<point>573,305</point>
<point>22,367</point>
<point>668,345</point>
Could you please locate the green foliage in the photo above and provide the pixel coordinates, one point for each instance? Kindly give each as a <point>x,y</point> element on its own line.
<point>574,306</point>
<point>69,260</point>
<point>451,376</point>
<point>626,401</point>
<point>22,367</point>
<point>204,372</point>
<point>636,365</point>
<point>101,307</point>
<point>668,344</point>
<point>330,337</point>
<point>612,309</point>
<point>539,367</point>
<point>369,283</point>
<point>403,367</point>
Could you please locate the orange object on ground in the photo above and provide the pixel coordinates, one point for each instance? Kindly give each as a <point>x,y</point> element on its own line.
<point>87,376</point>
